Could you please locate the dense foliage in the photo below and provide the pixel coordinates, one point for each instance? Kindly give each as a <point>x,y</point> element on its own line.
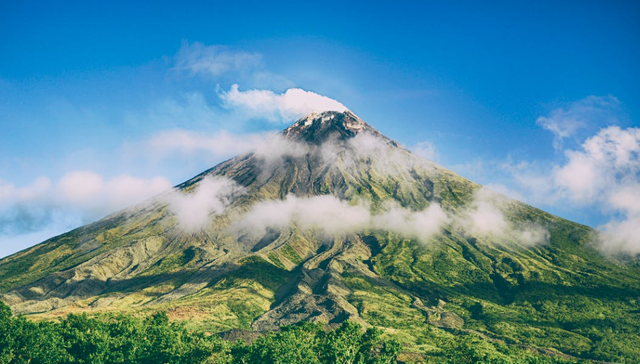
<point>155,340</point>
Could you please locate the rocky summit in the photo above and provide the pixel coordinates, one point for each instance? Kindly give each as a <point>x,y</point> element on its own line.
<point>331,221</point>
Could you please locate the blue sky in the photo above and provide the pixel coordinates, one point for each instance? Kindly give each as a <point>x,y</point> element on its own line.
<point>508,94</point>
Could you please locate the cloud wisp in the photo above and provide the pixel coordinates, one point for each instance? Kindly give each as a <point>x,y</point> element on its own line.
<point>269,147</point>
<point>426,150</point>
<point>225,65</point>
<point>565,122</point>
<point>335,217</point>
<point>484,217</point>
<point>193,210</point>
<point>369,148</point>
<point>215,60</point>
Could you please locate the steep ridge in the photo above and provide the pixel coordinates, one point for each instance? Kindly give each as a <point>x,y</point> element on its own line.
<point>533,280</point>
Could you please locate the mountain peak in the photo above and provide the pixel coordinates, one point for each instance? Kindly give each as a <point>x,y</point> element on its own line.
<point>350,230</point>
<point>316,128</point>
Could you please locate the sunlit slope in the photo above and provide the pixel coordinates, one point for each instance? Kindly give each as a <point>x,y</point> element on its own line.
<point>558,293</point>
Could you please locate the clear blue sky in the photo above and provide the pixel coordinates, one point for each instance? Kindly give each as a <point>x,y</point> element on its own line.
<point>83,83</point>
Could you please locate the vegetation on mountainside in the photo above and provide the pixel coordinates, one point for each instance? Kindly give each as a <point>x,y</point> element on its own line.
<point>123,339</point>
<point>587,310</point>
<point>155,340</point>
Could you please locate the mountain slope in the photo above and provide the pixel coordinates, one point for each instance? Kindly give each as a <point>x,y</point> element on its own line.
<point>333,221</point>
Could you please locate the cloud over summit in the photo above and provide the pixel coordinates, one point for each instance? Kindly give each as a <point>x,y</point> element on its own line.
<point>285,107</point>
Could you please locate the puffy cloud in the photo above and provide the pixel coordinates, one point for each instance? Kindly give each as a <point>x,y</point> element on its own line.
<point>415,224</point>
<point>598,179</point>
<point>606,162</point>
<point>193,210</point>
<point>84,191</point>
<point>285,107</point>
<point>333,216</point>
<point>606,172</point>
<point>326,213</point>
<point>531,181</point>
<point>602,174</point>
<point>621,235</point>
<point>564,122</point>
<point>275,148</point>
<point>76,198</point>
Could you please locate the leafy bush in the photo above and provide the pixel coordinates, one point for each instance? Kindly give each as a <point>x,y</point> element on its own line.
<point>79,339</point>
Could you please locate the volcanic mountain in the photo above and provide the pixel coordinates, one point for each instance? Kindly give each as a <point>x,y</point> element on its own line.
<point>329,221</point>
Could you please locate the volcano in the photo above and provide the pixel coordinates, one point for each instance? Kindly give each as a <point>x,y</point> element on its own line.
<point>332,221</point>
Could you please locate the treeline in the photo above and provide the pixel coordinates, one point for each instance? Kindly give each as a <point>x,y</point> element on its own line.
<point>155,340</point>
<point>79,339</point>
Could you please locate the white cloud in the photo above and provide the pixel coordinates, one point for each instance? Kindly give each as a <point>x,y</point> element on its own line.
<point>602,174</point>
<point>326,213</point>
<point>564,122</point>
<point>426,150</point>
<point>285,107</point>
<point>621,235</point>
<point>369,148</point>
<point>84,191</point>
<point>485,218</point>
<point>606,172</point>
<point>534,180</point>
<point>77,197</point>
<point>333,216</point>
<point>276,147</point>
<point>193,210</point>
<point>227,66</point>
<point>606,163</point>
<point>420,225</point>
